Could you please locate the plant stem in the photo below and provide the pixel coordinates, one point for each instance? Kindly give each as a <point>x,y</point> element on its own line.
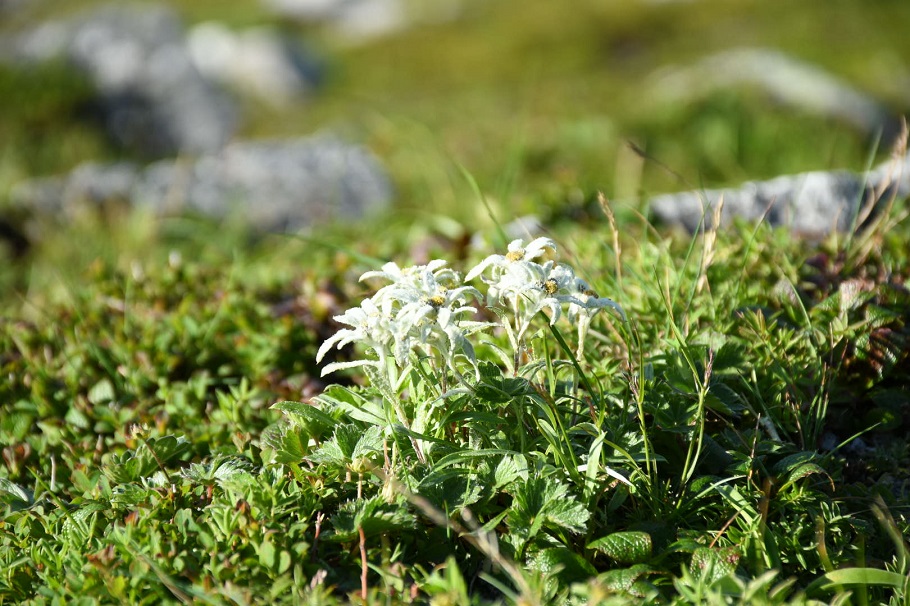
<point>363,565</point>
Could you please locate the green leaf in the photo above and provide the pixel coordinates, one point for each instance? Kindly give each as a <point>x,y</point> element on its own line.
<point>493,387</point>
<point>856,576</point>
<point>355,405</point>
<point>714,563</point>
<point>721,398</point>
<point>624,578</point>
<point>268,556</point>
<point>291,444</point>
<point>509,469</point>
<point>374,515</point>
<point>168,448</point>
<point>466,455</point>
<point>131,495</point>
<point>17,424</point>
<point>102,392</point>
<point>566,565</point>
<point>76,418</point>
<point>451,490</point>
<point>349,445</point>
<point>793,461</point>
<point>315,422</point>
<point>14,495</point>
<point>542,502</point>
<point>802,471</point>
<point>629,547</point>
<point>150,456</point>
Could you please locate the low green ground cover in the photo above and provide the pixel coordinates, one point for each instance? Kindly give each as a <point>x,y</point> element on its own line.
<point>740,437</point>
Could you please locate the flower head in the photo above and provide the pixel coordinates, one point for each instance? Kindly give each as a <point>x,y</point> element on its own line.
<point>421,308</point>
<point>414,274</point>
<point>516,254</point>
<point>369,326</point>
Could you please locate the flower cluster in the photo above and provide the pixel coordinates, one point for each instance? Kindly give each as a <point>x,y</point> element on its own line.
<point>424,308</point>
<point>525,286</point>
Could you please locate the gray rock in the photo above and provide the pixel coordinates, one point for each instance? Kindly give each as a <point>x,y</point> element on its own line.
<point>257,61</point>
<point>812,204</point>
<point>278,185</point>
<point>783,78</point>
<point>153,98</point>
<point>359,21</point>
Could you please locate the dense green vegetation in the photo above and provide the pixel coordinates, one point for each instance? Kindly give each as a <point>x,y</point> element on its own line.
<point>741,438</point>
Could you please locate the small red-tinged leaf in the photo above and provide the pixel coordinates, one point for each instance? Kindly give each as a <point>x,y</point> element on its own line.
<point>714,563</point>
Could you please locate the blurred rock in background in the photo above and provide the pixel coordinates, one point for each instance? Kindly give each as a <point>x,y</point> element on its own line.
<point>811,204</point>
<point>259,61</point>
<point>358,21</point>
<point>165,93</point>
<point>282,185</point>
<point>153,99</point>
<point>783,79</point>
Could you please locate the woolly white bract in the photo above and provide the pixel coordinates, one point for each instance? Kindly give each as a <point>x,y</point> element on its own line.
<point>427,308</point>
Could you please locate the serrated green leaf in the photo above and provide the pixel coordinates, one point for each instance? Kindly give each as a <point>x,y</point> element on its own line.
<point>493,387</point>
<point>509,469</point>
<point>713,563</point>
<point>374,515</point>
<point>168,448</point>
<point>628,547</point>
<point>451,490</point>
<point>540,502</point>
<point>624,578</point>
<point>147,458</point>
<point>289,443</point>
<point>354,405</point>
<point>368,443</point>
<point>348,444</point>
<point>83,523</point>
<point>131,495</point>
<point>561,562</point>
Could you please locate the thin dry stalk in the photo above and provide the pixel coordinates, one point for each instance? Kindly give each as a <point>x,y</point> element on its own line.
<point>614,232</point>
<point>708,250</point>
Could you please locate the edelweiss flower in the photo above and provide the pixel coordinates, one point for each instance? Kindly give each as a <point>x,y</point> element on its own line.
<point>423,316</point>
<point>555,290</point>
<point>516,253</point>
<point>587,302</point>
<point>413,275</point>
<point>581,311</point>
<point>368,326</point>
<point>418,309</point>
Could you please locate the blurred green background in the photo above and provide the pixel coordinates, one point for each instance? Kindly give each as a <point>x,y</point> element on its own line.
<point>542,103</point>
